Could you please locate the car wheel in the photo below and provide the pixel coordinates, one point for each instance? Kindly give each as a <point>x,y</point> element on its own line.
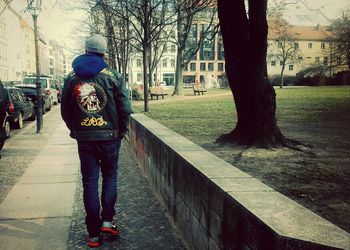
<point>2,141</point>
<point>7,129</point>
<point>32,117</point>
<point>19,123</point>
<point>50,105</point>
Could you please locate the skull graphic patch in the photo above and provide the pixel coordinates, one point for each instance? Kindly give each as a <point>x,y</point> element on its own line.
<point>91,97</point>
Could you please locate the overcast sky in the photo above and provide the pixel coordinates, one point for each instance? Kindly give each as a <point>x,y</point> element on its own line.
<point>320,11</point>
<point>59,19</point>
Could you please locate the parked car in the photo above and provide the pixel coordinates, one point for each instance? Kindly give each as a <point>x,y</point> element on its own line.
<point>5,130</point>
<point>50,86</point>
<point>20,108</point>
<point>6,126</point>
<point>30,92</point>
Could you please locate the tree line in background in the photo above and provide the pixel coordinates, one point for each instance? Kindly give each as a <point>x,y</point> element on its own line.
<point>143,26</point>
<point>147,27</point>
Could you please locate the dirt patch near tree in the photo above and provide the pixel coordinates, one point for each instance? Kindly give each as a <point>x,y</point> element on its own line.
<point>317,177</point>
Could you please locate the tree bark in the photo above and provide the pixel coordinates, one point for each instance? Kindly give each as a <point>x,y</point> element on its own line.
<point>245,55</point>
<point>145,57</point>
<point>178,72</point>
<point>110,39</point>
<point>282,76</point>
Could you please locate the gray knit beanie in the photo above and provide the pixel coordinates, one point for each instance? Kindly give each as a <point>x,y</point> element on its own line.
<point>96,44</point>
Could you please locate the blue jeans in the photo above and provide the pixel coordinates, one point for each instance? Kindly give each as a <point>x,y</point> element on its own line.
<point>93,156</point>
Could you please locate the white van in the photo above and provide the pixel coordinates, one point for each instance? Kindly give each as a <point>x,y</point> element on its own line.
<point>51,86</point>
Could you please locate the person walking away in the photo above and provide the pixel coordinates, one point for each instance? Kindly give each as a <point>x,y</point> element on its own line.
<point>96,110</point>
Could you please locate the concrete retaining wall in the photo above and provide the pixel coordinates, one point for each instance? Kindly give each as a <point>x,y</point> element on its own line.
<point>216,206</point>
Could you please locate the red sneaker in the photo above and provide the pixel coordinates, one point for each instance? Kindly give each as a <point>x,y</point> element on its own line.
<point>109,228</point>
<point>93,241</point>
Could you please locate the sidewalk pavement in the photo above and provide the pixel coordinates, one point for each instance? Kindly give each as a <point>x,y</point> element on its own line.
<point>44,209</point>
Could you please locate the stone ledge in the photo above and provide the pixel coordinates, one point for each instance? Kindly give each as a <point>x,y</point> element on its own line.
<point>227,208</point>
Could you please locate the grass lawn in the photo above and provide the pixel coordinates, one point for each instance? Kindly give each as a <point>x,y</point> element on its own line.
<point>212,114</point>
<point>319,117</point>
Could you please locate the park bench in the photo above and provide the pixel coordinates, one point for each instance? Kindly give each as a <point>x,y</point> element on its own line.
<point>199,88</point>
<point>157,91</point>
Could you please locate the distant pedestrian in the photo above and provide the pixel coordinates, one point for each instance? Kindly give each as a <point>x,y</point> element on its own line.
<point>96,110</point>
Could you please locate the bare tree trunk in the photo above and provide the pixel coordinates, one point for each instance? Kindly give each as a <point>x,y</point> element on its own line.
<point>245,55</point>
<point>282,76</point>
<point>110,39</point>
<point>179,72</point>
<point>145,54</point>
<point>150,74</point>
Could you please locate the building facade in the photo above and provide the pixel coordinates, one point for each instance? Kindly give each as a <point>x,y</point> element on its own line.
<point>17,50</point>
<point>207,66</point>
<point>312,50</point>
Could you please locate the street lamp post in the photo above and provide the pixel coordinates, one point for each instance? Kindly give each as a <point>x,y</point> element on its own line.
<point>34,7</point>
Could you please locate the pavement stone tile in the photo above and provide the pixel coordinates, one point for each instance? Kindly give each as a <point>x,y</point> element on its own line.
<point>140,216</point>
<point>28,156</point>
<point>34,233</point>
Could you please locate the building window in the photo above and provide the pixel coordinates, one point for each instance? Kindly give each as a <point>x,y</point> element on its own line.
<point>296,45</point>
<point>165,49</point>
<point>207,47</point>
<point>211,66</point>
<point>325,60</point>
<point>281,63</point>
<point>51,61</point>
<point>202,66</point>
<point>172,34</point>
<point>138,62</point>
<point>165,63</point>
<point>279,45</point>
<point>309,45</point>
<point>193,66</point>
<point>323,45</point>
<point>291,67</point>
<point>317,59</point>
<point>173,48</point>
<point>169,79</point>
<point>337,60</point>
<point>220,67</point>
<point>172,63</point>
<point>300,58</point>
<point>51,71</point>
<point>139,76</point>
<point>189,79</point>
<point>273,63</point>
<point>220,46</point>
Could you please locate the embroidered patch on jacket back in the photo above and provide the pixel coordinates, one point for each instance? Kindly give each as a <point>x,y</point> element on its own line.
<point>91,97</point>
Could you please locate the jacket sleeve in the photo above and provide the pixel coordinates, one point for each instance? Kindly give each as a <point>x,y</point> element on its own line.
<point>123,105</point>
<point>66,104</point>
